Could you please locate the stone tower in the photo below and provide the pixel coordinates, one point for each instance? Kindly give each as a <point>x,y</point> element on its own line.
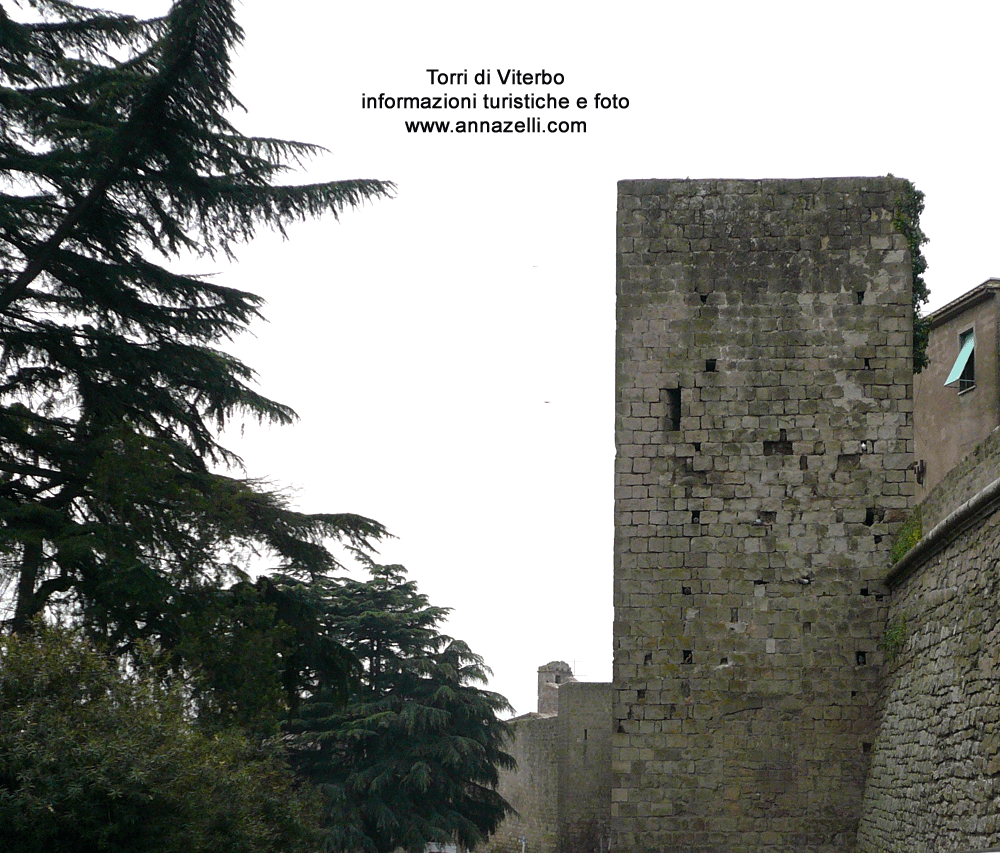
<point>550,677</point>
<point>764,444</point>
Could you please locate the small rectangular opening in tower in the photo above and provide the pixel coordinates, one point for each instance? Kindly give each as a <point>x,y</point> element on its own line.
<point>873,515</point>
<point>673,402</point>
<point>781,447</point>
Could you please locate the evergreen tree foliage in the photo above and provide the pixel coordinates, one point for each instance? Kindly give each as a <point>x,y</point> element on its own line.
<point>119,509</point>
<point>94,759</point>
<point>413,756</point>
<point>255,651</point>
<point>117,158</point>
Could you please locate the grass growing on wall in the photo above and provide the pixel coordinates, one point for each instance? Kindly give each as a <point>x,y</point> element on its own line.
<point>910,533</point>
<point>894,639</point>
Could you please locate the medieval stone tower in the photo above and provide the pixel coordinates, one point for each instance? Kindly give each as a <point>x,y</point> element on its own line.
<point>764,443</point>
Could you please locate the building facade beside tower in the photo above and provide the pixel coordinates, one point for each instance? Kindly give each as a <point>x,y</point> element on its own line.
<point>958,394</point>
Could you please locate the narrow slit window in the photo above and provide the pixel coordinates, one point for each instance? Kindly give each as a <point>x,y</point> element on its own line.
<point>673,401</point>
<point>964,369</point>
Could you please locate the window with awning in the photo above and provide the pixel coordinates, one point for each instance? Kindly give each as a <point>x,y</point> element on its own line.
<point>963,371</point>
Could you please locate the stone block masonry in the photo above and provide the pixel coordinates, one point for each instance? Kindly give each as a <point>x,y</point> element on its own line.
<point>764,444</point>
<point>584,767</point>
<point>934,780</point>
<point>561,787</point>
<point>532,789</point>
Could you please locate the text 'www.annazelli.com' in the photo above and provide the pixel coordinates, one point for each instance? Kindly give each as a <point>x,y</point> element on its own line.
<point>528,125</point>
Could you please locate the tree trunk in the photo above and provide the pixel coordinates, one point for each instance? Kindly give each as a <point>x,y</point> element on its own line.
<point>26,608</point>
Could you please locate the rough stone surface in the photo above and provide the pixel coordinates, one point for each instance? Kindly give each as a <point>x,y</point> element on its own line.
<point>533,789</point>
<point>551,677</point>
<point>764,444</point>
<point>934,782</point>
<point>584,767</point>
<point>561,789</point>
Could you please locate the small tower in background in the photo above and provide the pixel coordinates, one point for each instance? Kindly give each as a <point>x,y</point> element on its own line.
<point>550,677</point>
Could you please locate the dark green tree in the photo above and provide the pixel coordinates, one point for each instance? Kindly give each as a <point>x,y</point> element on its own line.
<point>117,158</point>
<point>118,503</point>
<point>909,207</point>
<point>97,759</point>
<point>255,650</point>
<point>414,754</point>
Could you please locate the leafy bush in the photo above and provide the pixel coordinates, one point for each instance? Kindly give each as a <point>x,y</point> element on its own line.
<point>96,759</point>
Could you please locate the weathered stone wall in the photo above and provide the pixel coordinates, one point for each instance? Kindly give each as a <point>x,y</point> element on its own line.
<point>562,786</point>
<point>764,398</point>
<point>934,782</point>
<point>532,789</point>
<point>551,677</point>
<point>584,767</point>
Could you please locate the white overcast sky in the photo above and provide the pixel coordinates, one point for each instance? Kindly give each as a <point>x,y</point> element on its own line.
<point>451,351</point>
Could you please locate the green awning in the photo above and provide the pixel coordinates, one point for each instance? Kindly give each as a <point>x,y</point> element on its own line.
<point>968,345</point>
